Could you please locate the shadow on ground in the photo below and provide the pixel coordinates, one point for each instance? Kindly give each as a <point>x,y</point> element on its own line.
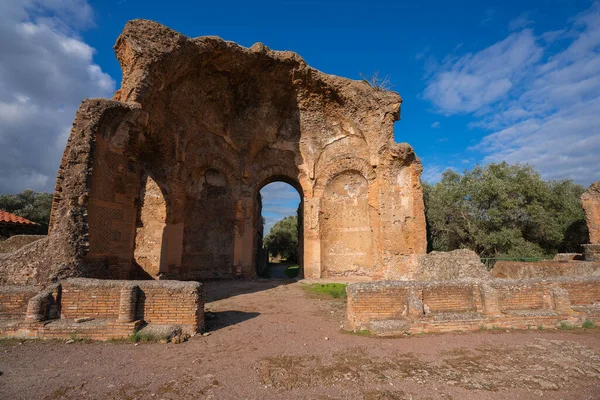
<point>223,289</point>
<point>222,319</point>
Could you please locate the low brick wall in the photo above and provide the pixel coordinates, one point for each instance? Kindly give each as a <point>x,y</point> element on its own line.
<point>158,302</point>
<point>14,299</point>
<point>544,269</point>
<point>116,307</point>
<point>394,307</point>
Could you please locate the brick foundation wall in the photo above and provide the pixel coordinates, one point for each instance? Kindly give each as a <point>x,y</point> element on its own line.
<point>14,299</point>
<point>393,307</point>
<point>89,300</point>
<point>117,308</point>
<point>157,302</point>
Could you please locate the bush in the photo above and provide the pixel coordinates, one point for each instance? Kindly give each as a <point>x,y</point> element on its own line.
<point>588,324</point>
<point>502,210</point>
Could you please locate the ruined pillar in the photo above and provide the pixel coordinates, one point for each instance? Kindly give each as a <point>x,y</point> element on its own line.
<point>491,301</point>
<point>244,251</point>
<point>312,243</point>
<point>562,302</point>
<point>128,303</point>
<point>590,201</point>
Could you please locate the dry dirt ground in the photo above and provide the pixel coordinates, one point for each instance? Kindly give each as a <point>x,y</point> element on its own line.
<point>270,340</point>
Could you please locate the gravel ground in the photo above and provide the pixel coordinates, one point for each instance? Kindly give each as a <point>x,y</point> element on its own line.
<point>270,340</point>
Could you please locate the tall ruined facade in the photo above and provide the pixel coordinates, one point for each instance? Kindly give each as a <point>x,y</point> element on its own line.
<point>163,180</point>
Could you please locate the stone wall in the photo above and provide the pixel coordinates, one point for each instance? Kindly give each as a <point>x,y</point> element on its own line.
<point>591,204</point>
<point>14,243</point>
<point>544,269</point>
<point>450,265</point>
<point>395,307</point>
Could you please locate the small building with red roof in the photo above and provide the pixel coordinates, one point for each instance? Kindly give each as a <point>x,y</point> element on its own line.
<point>11,224</point>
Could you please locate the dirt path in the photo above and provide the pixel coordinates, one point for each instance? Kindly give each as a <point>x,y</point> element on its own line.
<point>270,341</point>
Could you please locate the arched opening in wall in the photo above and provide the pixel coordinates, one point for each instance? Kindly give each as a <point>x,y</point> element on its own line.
<point>346,232</point>
<point>149,253</point>
<point>280,239</point>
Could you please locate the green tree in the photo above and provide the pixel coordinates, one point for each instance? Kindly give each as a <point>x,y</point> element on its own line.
<point>504,210</point>
<point>34,206</point>
<point>283,239</point>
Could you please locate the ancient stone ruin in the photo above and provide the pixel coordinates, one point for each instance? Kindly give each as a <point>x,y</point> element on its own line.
<point>163,180</point>
<point>161,185</point>
<point>591,204</point>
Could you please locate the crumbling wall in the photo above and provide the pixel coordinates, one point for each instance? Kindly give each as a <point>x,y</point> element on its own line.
<point>14,243</point>
<point>451,265</point>
<point>544,269</point>
<point>100,309</point>
<point>397,307</point>
<point>150,236</point>
<point>591,204</point>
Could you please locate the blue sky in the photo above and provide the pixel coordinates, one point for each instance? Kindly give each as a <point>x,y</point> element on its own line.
<point>481,81</point>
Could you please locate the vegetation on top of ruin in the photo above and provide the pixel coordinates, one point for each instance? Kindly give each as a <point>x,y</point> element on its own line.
<point>383,84</point>
<point>505,210</point>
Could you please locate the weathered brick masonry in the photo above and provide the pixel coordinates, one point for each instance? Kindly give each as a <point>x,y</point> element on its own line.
<point>544,269</point>
<point>117,307</point>
<point>14,299</point>
<point>394,307</point>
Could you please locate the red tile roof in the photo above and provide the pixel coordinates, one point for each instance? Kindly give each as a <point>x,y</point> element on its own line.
<point>9,218</point>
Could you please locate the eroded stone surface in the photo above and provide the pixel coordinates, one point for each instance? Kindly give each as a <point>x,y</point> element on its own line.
<point>451,265</point>
<point>591,204</point>
<point>164,180</point>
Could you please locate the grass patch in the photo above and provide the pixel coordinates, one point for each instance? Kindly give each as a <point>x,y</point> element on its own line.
<point>80,339</point>
<point>292,271</point>
<point>565,326</point>
<point>145,337</point>
<point>333,290</point>
<point>588,324</point>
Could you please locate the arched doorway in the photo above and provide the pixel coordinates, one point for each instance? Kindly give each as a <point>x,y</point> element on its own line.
<point>279,252</point>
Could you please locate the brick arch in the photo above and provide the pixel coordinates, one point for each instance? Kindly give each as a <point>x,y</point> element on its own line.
<point>274,173</point>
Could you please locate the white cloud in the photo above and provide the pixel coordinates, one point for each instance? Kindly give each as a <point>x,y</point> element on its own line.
<point>474,81</point>
<point>46,70</point>
<point>539,107</point>
<point>436,124</point>
<point>521,22</point>
<point>432,173</point>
